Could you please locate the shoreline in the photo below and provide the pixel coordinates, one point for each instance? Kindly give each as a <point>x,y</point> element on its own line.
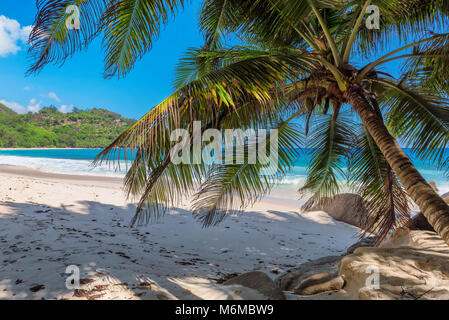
<point>277,196</point>
<point>38,174</point>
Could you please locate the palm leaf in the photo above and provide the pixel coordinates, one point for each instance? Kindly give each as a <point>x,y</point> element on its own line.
<point>229,188</point>
<point>417,116</point>
<point>50,39</point>
<point>429,64</point>
<point>329,148</point>
<point>217,17</point>
<point>384,197</point>
<point>203,99</point>
<point>131,26</point>
<point>421,15</point>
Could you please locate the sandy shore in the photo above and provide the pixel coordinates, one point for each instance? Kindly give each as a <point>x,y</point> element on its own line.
<point>51,221</point>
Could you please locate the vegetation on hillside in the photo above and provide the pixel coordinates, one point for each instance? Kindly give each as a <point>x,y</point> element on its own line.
<point>50,128</point>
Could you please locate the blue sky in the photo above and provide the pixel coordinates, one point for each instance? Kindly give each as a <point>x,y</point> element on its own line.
<point>80,82</point>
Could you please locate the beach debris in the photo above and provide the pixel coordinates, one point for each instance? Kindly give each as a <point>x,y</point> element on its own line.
<point>225,277</point>
<point>139,294</point>
<point>80,293</point>
<point>275,271</point>
<point>86,281</point>
<point>37,288</point>
<point>147,285</point>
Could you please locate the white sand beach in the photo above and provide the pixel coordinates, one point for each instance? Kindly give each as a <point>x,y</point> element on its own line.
<point>51,221</point>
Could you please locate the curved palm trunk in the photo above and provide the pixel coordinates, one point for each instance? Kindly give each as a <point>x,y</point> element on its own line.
<point>431,204</point>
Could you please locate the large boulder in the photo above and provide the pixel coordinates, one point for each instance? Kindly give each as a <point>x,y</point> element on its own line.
<point>418,268</point>
<point>409,265</point>
<point>260,282</point>
<point>311,277</point>
<point>445,197</point>
<point>319,275</point>
<point>345,207</point>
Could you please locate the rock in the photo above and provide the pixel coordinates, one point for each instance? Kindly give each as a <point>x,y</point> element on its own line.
<point>365,242</point>
<point>345,207</point>
<point>433,185</point>
<point>319,275</point>
<point>419,222</point>
<point>417,270</point>
<point>410,265</point>
<point>260,282</point>
<point>445,197</point>
<point>398,238</point>
<point>311,275</point>
<point>332,284</point>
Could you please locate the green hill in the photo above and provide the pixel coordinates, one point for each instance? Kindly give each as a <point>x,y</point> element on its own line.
<point>5,109</point>
<point>49,128</point>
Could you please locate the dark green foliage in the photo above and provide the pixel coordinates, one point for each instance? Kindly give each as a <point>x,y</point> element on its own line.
<point>50,128</point>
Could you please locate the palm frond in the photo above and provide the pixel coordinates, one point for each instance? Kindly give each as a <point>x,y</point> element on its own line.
<point>421,16</point>
<point>131,26</point>
<point>51,41</point>
<point>384,197</point>
<point>229,188</point>
<point>136,177</point>
<point>429,64</point>
<point>329,146</point>
<point>416,115</point>
<point>217,18</point>
<point>202,99</point>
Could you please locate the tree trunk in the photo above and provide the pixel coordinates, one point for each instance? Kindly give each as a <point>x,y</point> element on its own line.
<point>431,204</point>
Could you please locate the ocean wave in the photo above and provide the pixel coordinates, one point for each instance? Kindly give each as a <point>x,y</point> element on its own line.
<point>64,166</point>
<point>292,180</point>
<point>80,162</point>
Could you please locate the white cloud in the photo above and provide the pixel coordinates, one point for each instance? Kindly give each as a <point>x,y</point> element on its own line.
<point>14,106</point>
<point>65,108</point>
<point>12,36</point>
<point>51,95</point>
<point>33,106</point>
<point>27,88</point>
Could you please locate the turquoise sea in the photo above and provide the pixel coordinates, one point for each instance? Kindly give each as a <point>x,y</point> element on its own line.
<point>79,161</point>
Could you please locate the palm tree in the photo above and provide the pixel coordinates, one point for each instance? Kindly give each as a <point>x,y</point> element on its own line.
<point>298,61</point>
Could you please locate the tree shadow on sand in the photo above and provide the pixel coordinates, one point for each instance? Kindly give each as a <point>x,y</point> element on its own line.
<point>158,261</point>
